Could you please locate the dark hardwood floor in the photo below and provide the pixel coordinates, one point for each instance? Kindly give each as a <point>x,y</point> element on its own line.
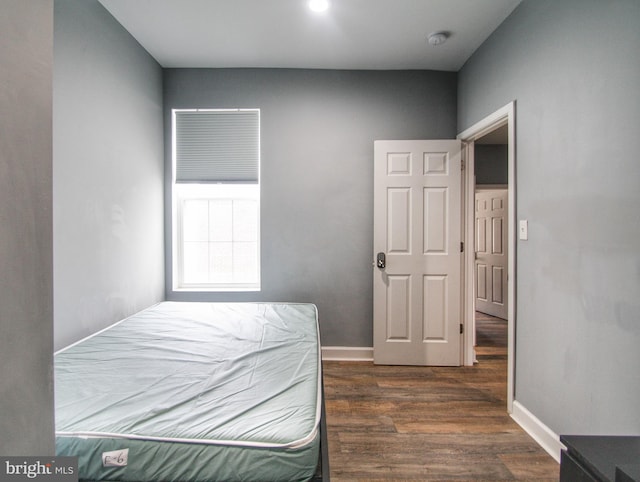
<point>491,335</point>
<point>429,423</point>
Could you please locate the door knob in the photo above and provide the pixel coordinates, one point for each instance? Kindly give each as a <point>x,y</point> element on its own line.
<point>381,260</point>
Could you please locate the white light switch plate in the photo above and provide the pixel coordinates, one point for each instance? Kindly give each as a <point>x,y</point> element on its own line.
<point>524,229</point>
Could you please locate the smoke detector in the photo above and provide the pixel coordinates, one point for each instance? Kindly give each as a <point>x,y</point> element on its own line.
<point>438,38</point>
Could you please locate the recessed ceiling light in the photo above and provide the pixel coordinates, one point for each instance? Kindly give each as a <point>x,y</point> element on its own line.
<point>437,38</point>
<point>319,5</point>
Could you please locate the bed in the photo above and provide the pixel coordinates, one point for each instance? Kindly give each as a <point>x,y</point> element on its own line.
<point>196,392</point>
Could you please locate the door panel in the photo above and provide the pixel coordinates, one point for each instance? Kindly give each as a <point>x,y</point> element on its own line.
<point>497,295</point>
<point>417,224</point>
<point>400,218</point>
<point>398,327</point>
<point>491,255</point>
<point>435,298</point>
<point>435,230</point>
<point>481,284</point>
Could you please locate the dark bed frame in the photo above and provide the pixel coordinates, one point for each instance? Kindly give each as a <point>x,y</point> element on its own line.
<point>322,471</point>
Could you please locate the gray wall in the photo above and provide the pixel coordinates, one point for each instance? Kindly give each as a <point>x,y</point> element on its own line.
<point>574,70</point>
<point>491,164</point>
<point>107,172</point>
<point>26,271</point>
<point>318,129</point>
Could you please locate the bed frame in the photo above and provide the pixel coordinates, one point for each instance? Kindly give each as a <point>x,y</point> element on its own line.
<point>323,473</point>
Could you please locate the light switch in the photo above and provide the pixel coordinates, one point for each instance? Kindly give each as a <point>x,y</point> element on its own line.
<point>524,229</point>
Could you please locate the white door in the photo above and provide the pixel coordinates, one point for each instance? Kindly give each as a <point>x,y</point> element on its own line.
<point>491,252</point>
<point>417,229</point>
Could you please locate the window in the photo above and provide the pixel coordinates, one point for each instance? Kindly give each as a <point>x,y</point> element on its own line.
<point>216,200</point>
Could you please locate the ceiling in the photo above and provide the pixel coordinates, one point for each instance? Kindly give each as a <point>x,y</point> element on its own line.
<point>496,136</point>
<point>352,34</point>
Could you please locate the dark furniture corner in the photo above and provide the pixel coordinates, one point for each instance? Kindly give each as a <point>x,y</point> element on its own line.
<point>600,458</point>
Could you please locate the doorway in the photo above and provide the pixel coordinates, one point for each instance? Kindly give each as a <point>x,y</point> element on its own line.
<point>491,223</point>
<point>498,129</point>
<point>491,244</point>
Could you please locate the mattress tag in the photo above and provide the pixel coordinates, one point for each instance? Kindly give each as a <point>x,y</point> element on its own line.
<point>117,458</point>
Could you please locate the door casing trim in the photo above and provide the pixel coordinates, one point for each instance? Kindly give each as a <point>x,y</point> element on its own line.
<point>504,115</point>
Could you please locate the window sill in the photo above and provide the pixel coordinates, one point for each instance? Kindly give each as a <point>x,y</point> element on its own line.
<point>216,289</point>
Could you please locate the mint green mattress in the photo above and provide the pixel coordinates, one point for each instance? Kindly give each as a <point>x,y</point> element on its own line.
<point>194,392</point>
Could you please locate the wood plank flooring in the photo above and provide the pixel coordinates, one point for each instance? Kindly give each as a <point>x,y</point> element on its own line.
<point>427,423</point>
<point>491,335</point>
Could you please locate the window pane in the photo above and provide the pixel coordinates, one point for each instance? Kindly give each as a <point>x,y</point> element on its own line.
<point>220,263</point>
<point>219,240</point>
<point>245,220</point>
<point>196,262</point>
<point>194,220</point>
<point>245,262</point>
<point>220,220</point>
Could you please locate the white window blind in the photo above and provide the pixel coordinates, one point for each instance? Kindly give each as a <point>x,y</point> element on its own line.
<point>217,146</point>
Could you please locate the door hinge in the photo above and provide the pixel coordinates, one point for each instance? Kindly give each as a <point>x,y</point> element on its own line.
<point>462,246</point>
<point>462,164</point>
<point>461,328</point>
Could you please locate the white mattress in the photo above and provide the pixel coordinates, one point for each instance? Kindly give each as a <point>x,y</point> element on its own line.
<point>194,391</point>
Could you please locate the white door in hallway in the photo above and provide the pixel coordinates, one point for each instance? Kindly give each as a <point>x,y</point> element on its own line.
<point>491,252</point>
<point>417,252</point>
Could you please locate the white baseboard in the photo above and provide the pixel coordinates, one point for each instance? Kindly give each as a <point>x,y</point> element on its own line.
<point>542,434</point>
<point>347,353</point>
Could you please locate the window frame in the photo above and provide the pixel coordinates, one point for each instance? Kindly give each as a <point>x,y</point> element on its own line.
<point>178,196</point>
